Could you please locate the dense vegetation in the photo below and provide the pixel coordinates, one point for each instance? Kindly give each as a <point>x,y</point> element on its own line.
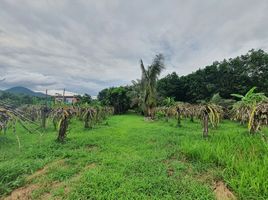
<point>20,99</point>
<point>116,97</point>
<point>236,75</point>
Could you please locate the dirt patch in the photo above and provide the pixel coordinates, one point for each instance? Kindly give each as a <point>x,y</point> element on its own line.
<point>56,185</point>
<point>170,171</point>
<point>53,186</point>
<point>86,168</point>
<point>23,193</point>
<point>222,192</point>
<point>46,196</point>
<point>90,166</point>
<point>170,160</point>
<point>45,169</point>
<point>173,161</point>
<point>206,177</point>
<point>148,119</point>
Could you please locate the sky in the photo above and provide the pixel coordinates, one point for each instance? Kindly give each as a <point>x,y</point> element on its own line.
<point>88,45</point>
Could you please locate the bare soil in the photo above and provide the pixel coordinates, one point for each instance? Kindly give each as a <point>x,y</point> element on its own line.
<point>222,192</point>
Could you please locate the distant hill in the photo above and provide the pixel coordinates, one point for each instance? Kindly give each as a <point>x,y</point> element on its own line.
<point>26,91</point>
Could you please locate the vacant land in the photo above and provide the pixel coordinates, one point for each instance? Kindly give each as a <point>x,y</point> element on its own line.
<point>129,158</point>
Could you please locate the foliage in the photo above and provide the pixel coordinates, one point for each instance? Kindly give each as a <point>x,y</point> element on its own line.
<point>169,101</point>
<point>88,115</point>
<point>28,116</point>
<point>148,84</point>
<point>84,99</point>
<point>32,112</point>
<point>170,86</point>
<point>7,118</point>
<point>208,113</point>
<point>258,117</point>
<point>235,75</point>
<point>61,118</point>
<point>117,97</point>
<point>136,95</point>
<point>10,116</point>
<point>251,97</point>
<point>246,110</point>
<point>226,104</point>
<point>21,99</point>
<point>16,99</point>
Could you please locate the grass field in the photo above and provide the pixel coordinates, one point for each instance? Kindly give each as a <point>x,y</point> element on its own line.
<point>129,158</point>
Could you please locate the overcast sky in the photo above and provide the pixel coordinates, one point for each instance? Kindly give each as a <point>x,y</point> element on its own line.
<point>87,45</point>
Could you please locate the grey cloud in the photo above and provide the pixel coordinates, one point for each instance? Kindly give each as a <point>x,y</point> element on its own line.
<point>86,45</point>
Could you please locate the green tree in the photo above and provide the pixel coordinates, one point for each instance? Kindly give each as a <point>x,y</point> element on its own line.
<point>116,97</point>
<point>85,99</point>
<point>170,86</point>
<point>235,75</point>
<point>135,94</point>
<point>148,84</point>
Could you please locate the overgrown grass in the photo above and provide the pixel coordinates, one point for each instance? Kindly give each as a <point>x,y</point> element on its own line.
<point>129,158</point>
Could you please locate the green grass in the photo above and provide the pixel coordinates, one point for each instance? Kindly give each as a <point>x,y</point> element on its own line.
<point>129,158</point>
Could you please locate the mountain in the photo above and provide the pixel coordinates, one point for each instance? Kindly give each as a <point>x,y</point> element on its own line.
<point>26,91</point>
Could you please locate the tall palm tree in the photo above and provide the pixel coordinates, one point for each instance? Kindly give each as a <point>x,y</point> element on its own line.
<point>148,84</point>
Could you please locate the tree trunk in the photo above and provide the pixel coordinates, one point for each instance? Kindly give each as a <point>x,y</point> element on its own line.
<point>87,120</point>
<point>166,117</point>
<point>152,112</point>
<point>33,116</point>
<point>43,117</point>
<point>63,129</point>
<point>149,112</point>
<point>179,117</point>
<point>205,125</point>
<point>192,118</point>
<point>254,127</point>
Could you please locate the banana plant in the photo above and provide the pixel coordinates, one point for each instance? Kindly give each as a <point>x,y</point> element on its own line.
<point>246,110</point>
<point>251,97</point>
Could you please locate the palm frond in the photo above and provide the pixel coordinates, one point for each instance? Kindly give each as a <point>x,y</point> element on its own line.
<point>238,96</point>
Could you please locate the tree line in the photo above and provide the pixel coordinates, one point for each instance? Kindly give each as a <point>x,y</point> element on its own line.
<point>235,75</point>
<point>20,99</point>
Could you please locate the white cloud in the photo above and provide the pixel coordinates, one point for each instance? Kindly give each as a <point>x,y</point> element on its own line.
<point>86,45</point>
